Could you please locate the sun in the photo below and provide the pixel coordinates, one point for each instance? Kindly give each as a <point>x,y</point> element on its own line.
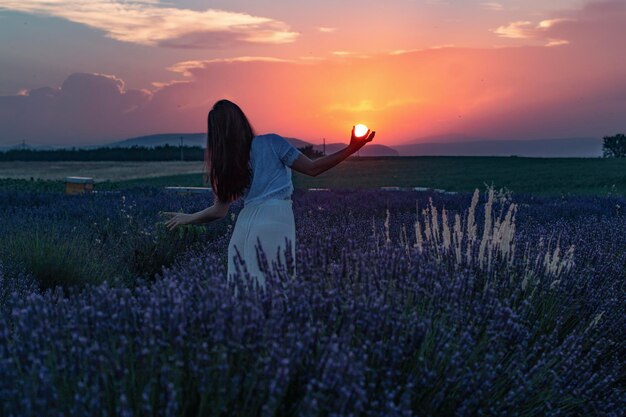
<point>360,130</point>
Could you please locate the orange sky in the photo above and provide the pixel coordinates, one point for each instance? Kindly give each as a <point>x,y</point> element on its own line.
<point>527,73</point>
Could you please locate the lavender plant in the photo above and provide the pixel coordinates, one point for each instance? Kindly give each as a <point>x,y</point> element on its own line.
<point>372,324</point>
<point>76,240</point>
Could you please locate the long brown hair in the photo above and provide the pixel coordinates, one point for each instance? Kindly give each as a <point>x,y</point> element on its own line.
<point>227,155</point>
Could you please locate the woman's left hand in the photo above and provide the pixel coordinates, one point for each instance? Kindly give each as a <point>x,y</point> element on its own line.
<point>357,142</point>
<point>177,219</point>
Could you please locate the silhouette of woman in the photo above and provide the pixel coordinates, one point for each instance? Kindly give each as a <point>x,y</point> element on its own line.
<point>241,164</point>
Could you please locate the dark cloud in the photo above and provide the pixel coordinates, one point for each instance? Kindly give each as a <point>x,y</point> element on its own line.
<point>87,107</point>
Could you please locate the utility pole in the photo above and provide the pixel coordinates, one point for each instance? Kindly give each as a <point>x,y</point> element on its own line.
<point>23,145</point>
<point>324,147</point>
<point>181,148</point>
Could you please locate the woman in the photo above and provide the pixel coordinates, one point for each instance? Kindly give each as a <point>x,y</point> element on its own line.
<point>257,169</point>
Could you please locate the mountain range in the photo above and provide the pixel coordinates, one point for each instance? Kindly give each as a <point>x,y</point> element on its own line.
<point>199,139</point>
<point>445,145</point>
<point>455,145</point>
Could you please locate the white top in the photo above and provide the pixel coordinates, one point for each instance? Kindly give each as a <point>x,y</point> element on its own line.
<point>271,157</point>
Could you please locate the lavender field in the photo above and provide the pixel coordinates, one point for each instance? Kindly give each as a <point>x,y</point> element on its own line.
<point>402,304</point>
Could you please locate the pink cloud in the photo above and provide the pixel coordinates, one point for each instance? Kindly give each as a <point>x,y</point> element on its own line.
<point>151,23</point>
<point>596,23</point>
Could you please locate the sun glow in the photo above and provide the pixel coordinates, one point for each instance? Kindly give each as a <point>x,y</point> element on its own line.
<point>360,130</point>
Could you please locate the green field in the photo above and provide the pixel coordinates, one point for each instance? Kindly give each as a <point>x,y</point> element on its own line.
<point>552,176</point>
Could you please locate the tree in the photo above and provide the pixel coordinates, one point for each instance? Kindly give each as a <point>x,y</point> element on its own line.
<point>614,146</point>
<point>310,152</point>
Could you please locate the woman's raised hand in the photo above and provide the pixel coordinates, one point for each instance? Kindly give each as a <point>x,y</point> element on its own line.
<point>357,142</point>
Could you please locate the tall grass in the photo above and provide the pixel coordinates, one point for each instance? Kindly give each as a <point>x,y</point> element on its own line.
<point>462,241</point>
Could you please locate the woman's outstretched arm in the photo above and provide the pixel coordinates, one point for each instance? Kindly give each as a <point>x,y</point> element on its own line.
<point>218,210</point>
<point>315,167</point>
<point>215,212</point>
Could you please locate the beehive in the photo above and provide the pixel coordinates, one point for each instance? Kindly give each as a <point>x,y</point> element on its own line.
<point>78,185</point>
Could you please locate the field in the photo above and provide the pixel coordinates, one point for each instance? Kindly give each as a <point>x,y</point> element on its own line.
<point>505,303</point>
<point>99,170</point>
<point>403,303</point>
<point>544,176</point>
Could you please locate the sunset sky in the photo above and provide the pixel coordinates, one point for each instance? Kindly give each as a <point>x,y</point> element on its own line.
<point>86,72</point>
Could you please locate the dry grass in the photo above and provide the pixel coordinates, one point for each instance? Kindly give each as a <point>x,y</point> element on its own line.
<point>98,170</point>
<point>435,232</point>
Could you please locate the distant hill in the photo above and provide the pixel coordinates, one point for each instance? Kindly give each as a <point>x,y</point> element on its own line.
<point>173,139</point>
<point>298,143</point>
<point>443,145</point>
<point>557,148</point>
<point>447,138</point>
<point>199,139</point>
<point>371,149</point>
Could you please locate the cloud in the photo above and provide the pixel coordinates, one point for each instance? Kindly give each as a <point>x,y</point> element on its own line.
<point>557,42</point>
<point>548,23</point>
<point>403,51</point>
<point>596,24</point>
<point>408,51</point>
<point>349,54</point>
<point>599,23</point>
<point>517,30</point>
<point>86,107</point>
<point>186,67</point>
<point>150,23</point>
<point>529,30</point>
<point>325,29</point>
<point>493,6</point>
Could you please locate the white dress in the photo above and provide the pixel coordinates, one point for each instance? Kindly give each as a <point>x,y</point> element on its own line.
<point>267,215</point>
<point>272,223</point>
